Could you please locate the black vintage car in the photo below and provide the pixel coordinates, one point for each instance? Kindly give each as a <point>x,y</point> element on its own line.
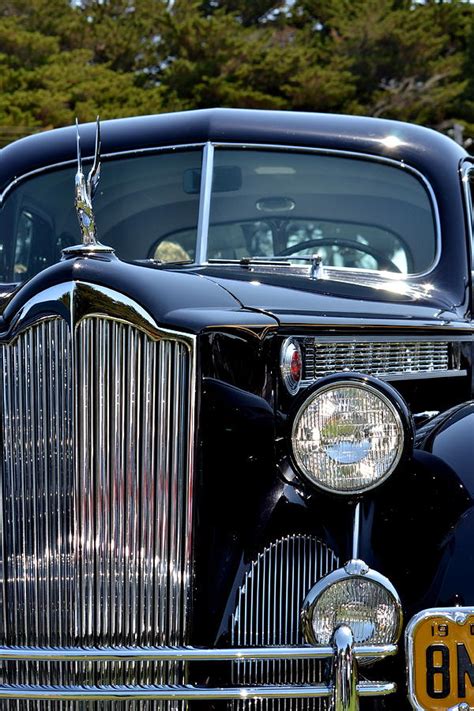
<point>237,425</point>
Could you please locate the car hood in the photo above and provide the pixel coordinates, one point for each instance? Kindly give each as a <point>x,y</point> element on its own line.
<point>341,298</point>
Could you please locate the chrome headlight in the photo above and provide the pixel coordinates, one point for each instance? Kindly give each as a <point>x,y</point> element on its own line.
<point>355,596</point>
<point>349,434</point>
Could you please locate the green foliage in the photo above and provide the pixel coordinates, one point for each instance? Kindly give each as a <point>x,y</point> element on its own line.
<point>393,58</point>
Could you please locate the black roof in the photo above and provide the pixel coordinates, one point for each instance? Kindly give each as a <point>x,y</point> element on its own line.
<point>427,150</point>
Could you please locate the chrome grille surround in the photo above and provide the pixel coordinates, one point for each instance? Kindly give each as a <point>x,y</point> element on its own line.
<point>388,358</point>
<point>268,611</point>
<point>96,493</point>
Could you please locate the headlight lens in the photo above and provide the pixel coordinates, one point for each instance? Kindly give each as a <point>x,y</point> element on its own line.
<point>347,437</point>
<point>364,600</point>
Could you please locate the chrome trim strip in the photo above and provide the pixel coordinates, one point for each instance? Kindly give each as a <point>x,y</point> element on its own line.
<point>424,376</point>
<point>187,693</point>
<point>395,338</point>
<point>73,161</point>
<point>356,531</point>
<point>345,671</point>
<point>204,203</point>
<point>466,170</point>
<point>457,615</point>
<point>186,654</point>
<point>394,377</point>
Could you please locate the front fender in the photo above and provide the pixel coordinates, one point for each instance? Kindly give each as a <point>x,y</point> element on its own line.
<point>450,438</point>
<point>453,583</point>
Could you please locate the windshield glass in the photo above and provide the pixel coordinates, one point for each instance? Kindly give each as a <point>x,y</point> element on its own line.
<point>139,201</point>
<point>265,204</point>
<point>354,213</point>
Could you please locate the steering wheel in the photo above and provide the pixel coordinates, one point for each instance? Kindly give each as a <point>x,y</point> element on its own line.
<point>384,262</point>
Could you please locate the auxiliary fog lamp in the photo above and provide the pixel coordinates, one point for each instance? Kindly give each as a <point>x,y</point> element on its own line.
<point>356,596</point>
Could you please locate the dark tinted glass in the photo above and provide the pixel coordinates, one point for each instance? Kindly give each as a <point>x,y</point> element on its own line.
<point>140,200</point>
<point>355,213</point>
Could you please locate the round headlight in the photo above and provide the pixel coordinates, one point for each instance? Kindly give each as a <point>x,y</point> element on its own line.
<point>355,596</point>
<point>348,436</point>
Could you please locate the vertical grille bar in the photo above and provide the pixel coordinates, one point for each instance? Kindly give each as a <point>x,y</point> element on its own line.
<point>96,513</point>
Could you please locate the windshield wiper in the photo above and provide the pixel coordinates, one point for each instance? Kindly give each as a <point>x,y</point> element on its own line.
<point>317,269</point>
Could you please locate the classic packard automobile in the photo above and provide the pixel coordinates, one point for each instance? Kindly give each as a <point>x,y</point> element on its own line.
<point>237,425</point>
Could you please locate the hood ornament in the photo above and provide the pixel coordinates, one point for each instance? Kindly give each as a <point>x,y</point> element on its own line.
<point>84,191</point>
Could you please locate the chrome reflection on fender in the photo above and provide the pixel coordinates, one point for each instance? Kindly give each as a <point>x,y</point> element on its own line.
<point>96,490</point>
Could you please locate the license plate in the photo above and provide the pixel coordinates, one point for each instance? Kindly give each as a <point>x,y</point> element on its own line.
<point>440,658</point>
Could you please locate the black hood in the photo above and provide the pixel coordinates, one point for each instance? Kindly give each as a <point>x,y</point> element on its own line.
<point>339,299</point>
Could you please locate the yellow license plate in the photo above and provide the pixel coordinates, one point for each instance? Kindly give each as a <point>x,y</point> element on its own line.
<point>440,657</point>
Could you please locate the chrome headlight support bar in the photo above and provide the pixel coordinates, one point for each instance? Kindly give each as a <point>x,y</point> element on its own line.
<point>345,689</point>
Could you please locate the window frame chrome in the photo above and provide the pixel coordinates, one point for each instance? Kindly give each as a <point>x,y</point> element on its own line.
<point>467,177</point>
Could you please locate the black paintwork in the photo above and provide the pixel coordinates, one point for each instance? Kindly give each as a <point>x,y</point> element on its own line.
<point>417,529</point>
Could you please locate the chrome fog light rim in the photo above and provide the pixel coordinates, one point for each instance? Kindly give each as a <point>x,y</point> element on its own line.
<point>386,396</point>
<point>354,570</point>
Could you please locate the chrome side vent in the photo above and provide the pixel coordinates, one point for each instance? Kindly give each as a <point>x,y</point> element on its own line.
<point>96,495</point>
<point>268,613</point>
<point>386,359</point>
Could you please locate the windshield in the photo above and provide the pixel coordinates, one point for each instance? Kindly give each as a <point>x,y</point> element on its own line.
<point>354,213</point>
<point>284,206</point>
<point>138,202</point>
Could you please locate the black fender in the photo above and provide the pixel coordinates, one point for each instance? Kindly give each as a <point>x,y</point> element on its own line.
<point>449,442</point>
<point>449,437</point>
<point>453,583</point>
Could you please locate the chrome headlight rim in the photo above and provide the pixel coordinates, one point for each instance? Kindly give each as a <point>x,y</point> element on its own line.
<point>354,568</point>
<point>381,389</point>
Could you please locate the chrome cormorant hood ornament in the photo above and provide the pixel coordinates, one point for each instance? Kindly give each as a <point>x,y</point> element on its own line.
<point>84,192</point>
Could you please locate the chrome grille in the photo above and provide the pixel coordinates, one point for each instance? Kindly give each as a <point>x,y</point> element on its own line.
<point>380,358</point>
<point>96,502</point>
<point>268,613</point>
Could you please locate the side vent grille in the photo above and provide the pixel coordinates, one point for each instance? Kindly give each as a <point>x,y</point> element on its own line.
<point>385,359</point>
<point>268,613</point>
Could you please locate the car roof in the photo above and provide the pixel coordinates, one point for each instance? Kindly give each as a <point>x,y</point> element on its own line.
<point>423,148</point>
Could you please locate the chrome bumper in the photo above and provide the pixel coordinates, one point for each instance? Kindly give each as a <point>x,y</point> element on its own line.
<point>344,687</point>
